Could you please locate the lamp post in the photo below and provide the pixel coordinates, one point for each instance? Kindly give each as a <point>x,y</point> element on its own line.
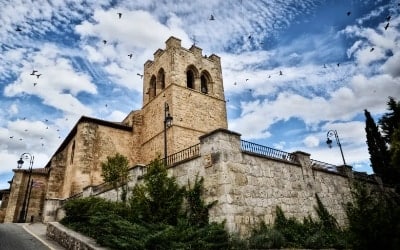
<point>20,162</point>
<point>167,123</point>
<point>329,141</point>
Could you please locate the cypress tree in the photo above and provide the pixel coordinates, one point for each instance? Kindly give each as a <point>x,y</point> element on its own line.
<point>378,151</point>
<point>390,121</point>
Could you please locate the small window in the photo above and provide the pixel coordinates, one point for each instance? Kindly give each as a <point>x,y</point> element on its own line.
<point>204,85</point>
<point>190,79</point>
<point>72,152</point>
<point>161,79</point>
<point>152,90</point>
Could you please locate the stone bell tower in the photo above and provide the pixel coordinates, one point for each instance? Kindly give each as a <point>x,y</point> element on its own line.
<point>190,84</point>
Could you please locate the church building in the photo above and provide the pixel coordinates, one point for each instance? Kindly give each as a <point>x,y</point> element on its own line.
<point>183,120</point>
<point>180,86</point>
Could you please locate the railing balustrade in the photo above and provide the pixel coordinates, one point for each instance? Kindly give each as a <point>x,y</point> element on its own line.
<point>266,151</point>
<point>324,165</point>
<point>185,154</point>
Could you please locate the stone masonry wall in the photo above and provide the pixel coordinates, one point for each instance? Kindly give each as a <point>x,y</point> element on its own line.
<point>93,144</point>
<point>248,187</point>
<point>37,197</point>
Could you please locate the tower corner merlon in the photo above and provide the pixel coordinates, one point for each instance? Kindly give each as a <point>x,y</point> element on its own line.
<point>148,63</point>
<point>196,50</point>
<point>157,54</point>
<point>215,58</point>
<point>173,42</point>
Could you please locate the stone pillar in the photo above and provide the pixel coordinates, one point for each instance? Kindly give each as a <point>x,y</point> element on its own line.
<point>305,163</point>
<point>346,170</point>
<point>218,149</point>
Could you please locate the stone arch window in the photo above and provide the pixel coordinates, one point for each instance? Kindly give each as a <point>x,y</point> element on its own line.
<point>204,83</point>
<point>205,80</point>
<point>161,78</point>
<point>152,89</point>
<point>190,79</point>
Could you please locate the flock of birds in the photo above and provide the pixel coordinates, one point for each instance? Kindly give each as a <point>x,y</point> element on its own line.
<point>130,55</point>
<point>35,83</point>
<point>280,73</point>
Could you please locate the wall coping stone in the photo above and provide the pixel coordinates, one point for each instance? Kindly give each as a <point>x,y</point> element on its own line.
<point>219,130</point>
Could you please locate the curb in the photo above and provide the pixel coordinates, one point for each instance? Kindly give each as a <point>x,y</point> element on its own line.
<point>37,237</point>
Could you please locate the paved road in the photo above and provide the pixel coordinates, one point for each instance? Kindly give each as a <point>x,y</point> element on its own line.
<point>14,237</point>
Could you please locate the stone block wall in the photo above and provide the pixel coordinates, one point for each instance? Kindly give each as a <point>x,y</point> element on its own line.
<point>249,187</point>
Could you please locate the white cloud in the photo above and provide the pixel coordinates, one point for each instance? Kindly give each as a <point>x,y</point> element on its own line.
<point>58,83</point>
<point>311,141</point>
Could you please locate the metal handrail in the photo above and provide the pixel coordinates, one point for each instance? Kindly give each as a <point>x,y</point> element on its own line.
<point>185,154</point>
<point>254,148</point>
<point>324,165</point>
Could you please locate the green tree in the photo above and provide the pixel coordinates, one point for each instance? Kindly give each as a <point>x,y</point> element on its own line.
<point>197,209</point>
<point>390,121</point>
<point>159,199</point>
<point>116,172</point>
<point>395,149</point>
<point>378,151</point>
<point>373,218</point>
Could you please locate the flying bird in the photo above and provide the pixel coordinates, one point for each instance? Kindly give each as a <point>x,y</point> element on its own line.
<point>280,73</point>
<point>46,120</point>
<point>234,83</point>
<point>106,105</point>
<point>247,79</point>
<point>104,41</point>
<point>141,76</point>
<point>18,29</point>
<point>34,84</point>
<point>38,75</point>
<point>387,26</point>
<point>372,49</point>
<point>348,13</point>
<point>130,55</point>
<point>33,72</point>
<point>212,18</point>
<point>269,76</point>
<point>119,15</point>
<point>388,18</point>
<point>11,137</point>
<point>338,64</point>
<point>324,66</point>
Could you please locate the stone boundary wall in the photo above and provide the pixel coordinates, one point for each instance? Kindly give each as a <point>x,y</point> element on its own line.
<point>71,239</point>
<point>248,187</point>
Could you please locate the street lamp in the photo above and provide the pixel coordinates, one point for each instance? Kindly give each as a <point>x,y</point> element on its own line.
<point>20,162</point>
<point>167,123</point>
<point>329,142</point>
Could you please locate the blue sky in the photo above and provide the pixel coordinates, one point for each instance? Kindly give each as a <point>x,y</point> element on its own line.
<point>256,40</point>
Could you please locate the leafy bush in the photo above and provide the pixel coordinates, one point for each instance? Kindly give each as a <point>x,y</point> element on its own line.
<point>156,217</point>
<point>292,233</point>
<point>266,237</point>
<point>159,199</point>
